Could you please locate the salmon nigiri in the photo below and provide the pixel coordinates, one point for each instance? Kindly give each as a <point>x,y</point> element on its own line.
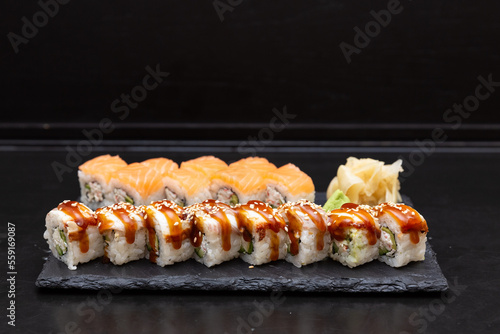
<point>94,176</point>
<point>136,184</point>
<point>288,184</point>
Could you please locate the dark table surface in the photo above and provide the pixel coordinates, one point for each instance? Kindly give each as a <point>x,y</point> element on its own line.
<point>455,188</point>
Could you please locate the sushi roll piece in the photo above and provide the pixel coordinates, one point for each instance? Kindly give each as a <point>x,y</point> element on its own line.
<point>123,230</point>
<point>258,164</point>
<point>185,187</point>
<point>306,223</point>
<point>168,233</point>
<point>236,184</point>
<point>162,165</point>
<point>355,234</point>
<point>215,235</point>
<point>94,176</point>
<point>264,237</point>
<point>288,184</point>
<point>207,165</point>
<point>72,233</point>
<point>136,184</point>
<point>403,234</point>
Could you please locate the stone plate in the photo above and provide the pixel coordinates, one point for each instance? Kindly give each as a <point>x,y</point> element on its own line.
<point>236,275</point>
<point>324,276</point>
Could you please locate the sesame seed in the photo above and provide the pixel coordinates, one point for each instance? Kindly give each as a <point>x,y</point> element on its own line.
<point>250,267</point>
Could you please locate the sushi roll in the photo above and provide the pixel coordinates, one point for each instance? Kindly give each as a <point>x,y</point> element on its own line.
<point>215,236</point>
<point>307,232</point>
<point>236,184</point>
<point>355,233</point>
<point>185,187</point>
<point>258,164</point>
<point>403,234</point>
<point>72,233</point>
<point>264,236</point>
<point>162,165</point>
<point>136,184</point>
<point>94,176</point>
<point>123,230</point>
<point>168,233</point>
<point>207,165</point>
<point>288,184</point>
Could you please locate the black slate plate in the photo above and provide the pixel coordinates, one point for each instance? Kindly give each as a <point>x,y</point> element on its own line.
<point>236,275</point>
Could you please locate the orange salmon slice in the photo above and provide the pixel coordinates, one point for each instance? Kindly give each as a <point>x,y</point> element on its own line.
<point>162,165</point>
<point>104,165</point>
<point>207,165</point>
<point>291,176</point>
<point>143,179</point>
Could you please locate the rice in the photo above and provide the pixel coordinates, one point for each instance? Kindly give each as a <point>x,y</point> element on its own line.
<point>68,241</point>
<point>312,243</point>
<point>119,251</point>
<point>308,252</point>
<point>406,251</point>
<point>277,192</point>
<point>164,250</point>
<point>261,249</point>
<point>211,249</point>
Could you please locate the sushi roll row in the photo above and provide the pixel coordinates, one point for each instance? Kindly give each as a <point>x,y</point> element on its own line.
<point>107,179</point>
<point>213,232</point>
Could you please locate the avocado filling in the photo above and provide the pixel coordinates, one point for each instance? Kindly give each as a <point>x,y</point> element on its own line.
<point>156,245</point>
<point>227,196</point>
<point>199,251</point>
<point>121,196</point>
<point>248,250</point>
<point>388,246</point>
<point>60,241</point>
<point>335,248</point>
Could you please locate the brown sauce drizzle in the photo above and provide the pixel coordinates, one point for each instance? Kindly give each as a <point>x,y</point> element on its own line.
<point>295,226</point>
<point>83,217</point>
<point>294,232</point>
<point>122,212</point>
<point>272,223</point>
<point>359,219</point>
<point>216,210</point>
<point>177,233</point>
<point>152,239</point>
<point>130,224</point>
<point>349,206</point>
<point>409,220</point>
<point>196,236</point>
<point>173,213</point>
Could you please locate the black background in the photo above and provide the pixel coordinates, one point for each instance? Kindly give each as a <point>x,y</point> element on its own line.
<point>225,80</point>
<point>227,76</point>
